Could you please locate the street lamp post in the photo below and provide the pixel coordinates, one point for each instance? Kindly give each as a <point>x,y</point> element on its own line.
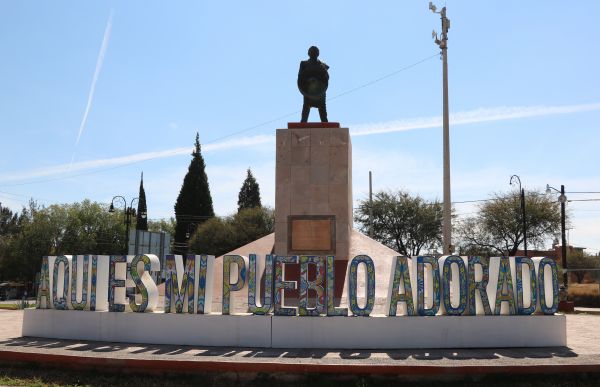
<point>442,42</point>
<point>190,229</point>
<point>563,200</point>
<point>191,226</point>
<point>129,212</point>
<point>523,222</point>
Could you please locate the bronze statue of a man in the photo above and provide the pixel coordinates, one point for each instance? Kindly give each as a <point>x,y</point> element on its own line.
<point>313,80</point>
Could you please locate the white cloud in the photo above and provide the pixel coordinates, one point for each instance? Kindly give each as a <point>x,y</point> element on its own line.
<point>460,118</point>
<point>239,142</point>
<point>82,166</point>
<point>13,202</point>
<point>472,116</point>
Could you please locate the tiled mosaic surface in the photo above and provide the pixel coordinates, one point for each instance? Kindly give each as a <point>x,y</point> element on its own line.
<point>401,275</point>
<point>353,285</point>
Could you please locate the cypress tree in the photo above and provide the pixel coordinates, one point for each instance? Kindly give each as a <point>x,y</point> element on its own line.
<point>249,196</point>
<point>194,203</point>
<point>142,212</point>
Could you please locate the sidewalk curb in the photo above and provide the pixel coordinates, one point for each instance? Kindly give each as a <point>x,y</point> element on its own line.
<point>586,310</point>
<point>253,367</point>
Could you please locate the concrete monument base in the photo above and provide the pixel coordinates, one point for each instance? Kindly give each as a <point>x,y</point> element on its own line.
<point>313,190</point>
<point>299,332</point>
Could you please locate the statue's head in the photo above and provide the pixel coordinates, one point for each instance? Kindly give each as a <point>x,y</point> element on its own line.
<point>313,52</point>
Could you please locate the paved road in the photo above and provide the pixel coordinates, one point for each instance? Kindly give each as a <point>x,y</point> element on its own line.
<point>11,322</point>
<point>583,339</point>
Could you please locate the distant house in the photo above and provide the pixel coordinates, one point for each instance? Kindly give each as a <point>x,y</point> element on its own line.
<point>554,253</point>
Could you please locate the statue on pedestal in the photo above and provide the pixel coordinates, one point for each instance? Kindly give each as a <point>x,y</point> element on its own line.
<point>313,80</point>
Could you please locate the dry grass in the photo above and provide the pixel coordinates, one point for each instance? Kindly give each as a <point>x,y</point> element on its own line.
<point>584,290</point>
<point>585,295</point>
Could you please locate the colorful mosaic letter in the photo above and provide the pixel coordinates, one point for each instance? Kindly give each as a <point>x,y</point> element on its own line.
<point>479,286</point>
<point>139,285</point>
<point>330,271</point>
<point>254,273</point>
<point>94,282</point>
<point>462,285</point>
<point>60,302</point>
<point>228,287</point>
<point>433,262</point>
<point>44,287</point>
<point>542,285</point>
<point>75,282</point>
<point>369,282</point>
<point>505,282</point>
<point>400,275</point>
<point>205,283</point>
<point>188,283</point>
<point>281,285</point>
<point>532,293</point>
<point>316,285</point>
<point>114,283</point>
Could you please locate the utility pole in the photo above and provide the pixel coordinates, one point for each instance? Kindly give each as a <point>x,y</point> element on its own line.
<point>563,199</point>
<point>564,304</point>
<point>442,42</point>
<point>370,205</point>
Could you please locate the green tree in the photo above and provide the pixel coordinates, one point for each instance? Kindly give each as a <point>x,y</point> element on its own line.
<point>9,229</point>
<point>253,223</point>
<point>497,227</point>
<point>249,196</point>
<point>402,222</point>
<point>78,228</point>
<point>142,211</point>
<point>165,225</point>
<point>9,222</point>
<point>218,236</point>
<point>89,228</point>
<point>194,203</point>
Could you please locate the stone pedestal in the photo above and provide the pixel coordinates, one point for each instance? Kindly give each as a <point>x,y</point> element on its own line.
<point>313,190</point>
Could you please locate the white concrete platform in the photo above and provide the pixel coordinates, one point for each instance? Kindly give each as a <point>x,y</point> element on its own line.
<point>149,328</point>
<point>419,332</point>
<point>299,332</point>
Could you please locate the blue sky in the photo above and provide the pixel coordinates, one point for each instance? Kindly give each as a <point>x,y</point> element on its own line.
<point>524,97</point>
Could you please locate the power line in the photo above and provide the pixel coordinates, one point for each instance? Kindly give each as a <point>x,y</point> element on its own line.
<point>383,77</point>
<point>473,201</point>
<point>532,194</point>
<point>583,192</point>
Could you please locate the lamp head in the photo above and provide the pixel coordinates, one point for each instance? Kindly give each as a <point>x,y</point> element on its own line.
<point>111,208</point>
<point>548,189</point>
<point>432,7</point>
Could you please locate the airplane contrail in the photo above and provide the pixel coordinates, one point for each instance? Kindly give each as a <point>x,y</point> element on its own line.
<point>474,116</point>
<point>99,63</point>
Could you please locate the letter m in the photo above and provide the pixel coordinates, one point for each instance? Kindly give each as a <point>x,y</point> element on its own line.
<point>175,292</point>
